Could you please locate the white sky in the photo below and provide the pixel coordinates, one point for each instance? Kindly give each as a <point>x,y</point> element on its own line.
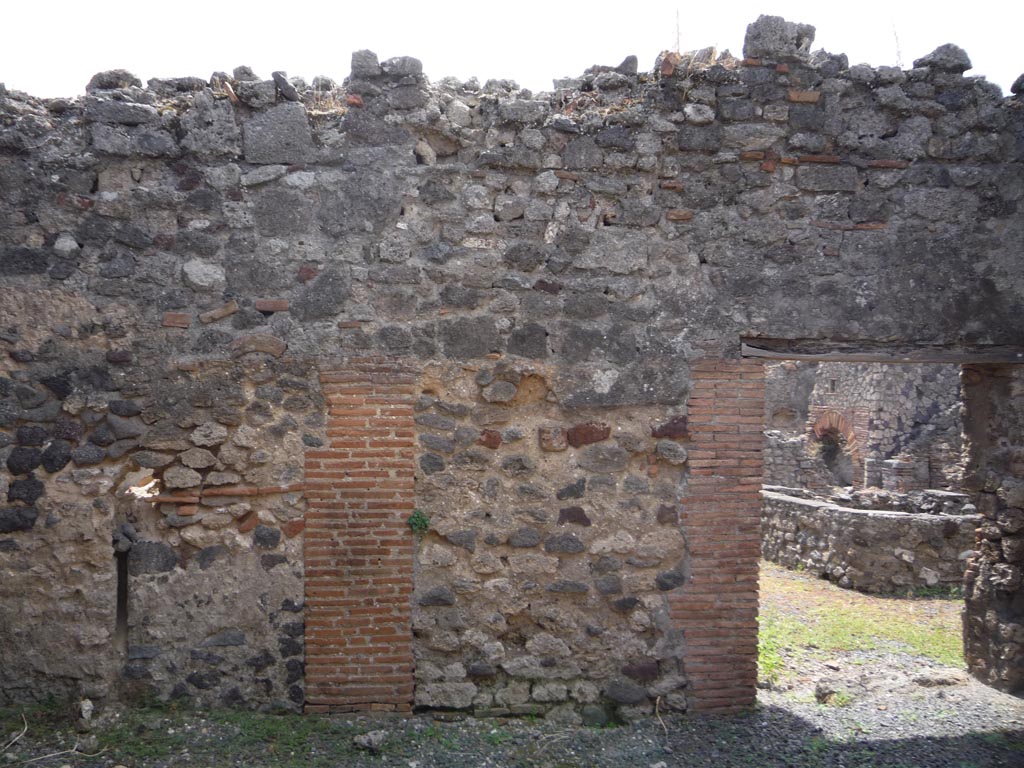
<point>53,48</point>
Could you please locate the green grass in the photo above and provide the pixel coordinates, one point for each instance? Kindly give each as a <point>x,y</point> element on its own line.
<point>941,592</point>
<point>825,631</point>
<point>438,733</point>
<point>807,619</point>
<point>772,637</point>
<point>497,736</point>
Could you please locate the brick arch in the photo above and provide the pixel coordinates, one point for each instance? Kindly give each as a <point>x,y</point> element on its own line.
<point>831,420</point>
<point>834,421</point>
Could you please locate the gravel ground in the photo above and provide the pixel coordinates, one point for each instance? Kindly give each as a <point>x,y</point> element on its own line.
<point>880,709</point>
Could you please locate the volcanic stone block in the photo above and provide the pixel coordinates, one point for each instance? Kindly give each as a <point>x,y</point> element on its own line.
<point>827,178</point>
<point>574,515</point>
<point>499,392</point>
<point>524,538</point>
<point>563,543</point>
<point>469,337</point>
<point>566,586</point>
<point>209,434</point>
<point>323,297</point>
<point>279,135</point>
<point>151,557</point>
<point>87,455</point>
<point>31,436</point>
<point>266,537</point>
<point>431,463</point>
<point>56,456</point>
<point>437,596</point>
<point>182,477</point>
<point>574,490</point>
<point>27,489</point>
<point>17,518</point>
<point>625,692</point>
<point>24,459</point>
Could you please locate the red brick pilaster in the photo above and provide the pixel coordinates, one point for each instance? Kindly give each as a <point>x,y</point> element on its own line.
<point>717,608</point>
<point>358,547</point>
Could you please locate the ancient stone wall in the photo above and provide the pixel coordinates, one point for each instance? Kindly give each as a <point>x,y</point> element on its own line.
<point>188,266</point>
<point>879,551</point>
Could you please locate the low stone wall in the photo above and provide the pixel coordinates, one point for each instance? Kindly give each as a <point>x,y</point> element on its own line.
<point>868,550</point>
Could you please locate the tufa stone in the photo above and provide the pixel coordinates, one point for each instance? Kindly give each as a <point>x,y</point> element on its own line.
<point>672,452</point>
<point>603,459</point>
<point>552,439</point>
<point>208,434</point>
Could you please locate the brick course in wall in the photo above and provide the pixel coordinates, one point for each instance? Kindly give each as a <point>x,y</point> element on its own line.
<point>718,609</point>
<point>359,549</point>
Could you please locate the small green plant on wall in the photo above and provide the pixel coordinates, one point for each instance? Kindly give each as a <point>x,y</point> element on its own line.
<point>419,522</point>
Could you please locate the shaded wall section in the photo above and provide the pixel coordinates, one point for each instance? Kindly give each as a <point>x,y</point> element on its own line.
<point>994,429</point>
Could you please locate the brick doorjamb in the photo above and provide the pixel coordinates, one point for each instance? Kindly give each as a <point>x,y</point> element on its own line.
<point>717,608</point>
<point>358,547</point>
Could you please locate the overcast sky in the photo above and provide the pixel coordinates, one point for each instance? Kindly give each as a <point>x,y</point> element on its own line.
<point>53,48</point>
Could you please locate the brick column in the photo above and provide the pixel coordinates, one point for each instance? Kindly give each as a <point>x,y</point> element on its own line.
<point>717,608</point>
<point>359,550</point>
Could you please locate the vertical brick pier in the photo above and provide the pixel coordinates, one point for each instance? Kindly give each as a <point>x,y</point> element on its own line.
<point>717,609</point>
<point>359,550</point>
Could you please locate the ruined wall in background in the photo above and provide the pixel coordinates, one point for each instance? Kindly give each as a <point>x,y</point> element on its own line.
<point>905,412</point>
<point>181,261</point>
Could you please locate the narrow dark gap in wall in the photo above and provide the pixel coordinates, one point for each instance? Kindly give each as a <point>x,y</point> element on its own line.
<point>121,622</point>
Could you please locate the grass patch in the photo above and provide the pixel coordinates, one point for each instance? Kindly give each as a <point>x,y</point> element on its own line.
<point>804,618</point>
<point>773,637</point>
